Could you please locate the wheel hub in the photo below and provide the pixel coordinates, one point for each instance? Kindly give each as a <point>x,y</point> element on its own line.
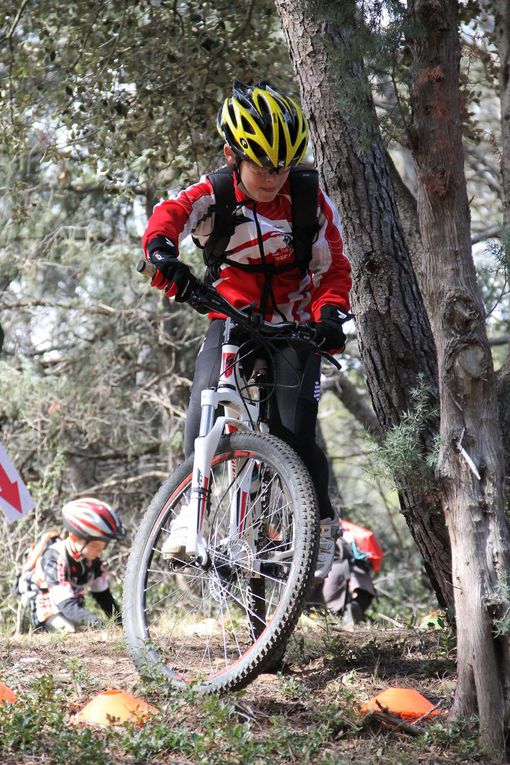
<point>234,559</point>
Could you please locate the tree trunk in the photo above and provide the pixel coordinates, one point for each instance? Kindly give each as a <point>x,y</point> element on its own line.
<point>502,33</point>
<point>394,334</point>
<point>408,213</point>
<point>470,468</point>
<point>504,417</point>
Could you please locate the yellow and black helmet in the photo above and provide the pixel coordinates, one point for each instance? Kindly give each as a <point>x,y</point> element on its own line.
<point>261,125</point>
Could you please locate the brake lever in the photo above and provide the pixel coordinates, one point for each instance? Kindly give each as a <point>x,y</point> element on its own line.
<point>198,299</point>
<point>330,358</point>
<point>308,333</point>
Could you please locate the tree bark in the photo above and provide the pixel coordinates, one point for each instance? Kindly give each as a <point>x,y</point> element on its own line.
<point>504,417</point>
<point>502,33</point>
<point>394,334</point>
<point>470,468</point>
<point>407,208</point>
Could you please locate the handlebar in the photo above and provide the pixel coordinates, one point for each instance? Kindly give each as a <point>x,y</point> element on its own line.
<point>205,299</point>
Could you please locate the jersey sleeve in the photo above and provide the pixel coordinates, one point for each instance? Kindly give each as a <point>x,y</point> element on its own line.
<point>330,268</point>
<point>189,213</point>
<point>108,604</point>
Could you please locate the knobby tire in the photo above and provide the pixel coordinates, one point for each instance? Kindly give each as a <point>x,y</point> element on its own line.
<point>216,627</point>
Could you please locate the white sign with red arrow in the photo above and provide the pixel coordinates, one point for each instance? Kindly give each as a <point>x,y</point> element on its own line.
<point>15,499</point>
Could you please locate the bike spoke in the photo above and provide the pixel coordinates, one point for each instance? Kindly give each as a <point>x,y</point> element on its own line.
<point>201,618</point>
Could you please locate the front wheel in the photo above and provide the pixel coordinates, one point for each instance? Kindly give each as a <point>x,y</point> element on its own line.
<point>218,624</point>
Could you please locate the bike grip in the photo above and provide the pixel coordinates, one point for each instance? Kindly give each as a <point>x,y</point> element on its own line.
<point>146,269</point>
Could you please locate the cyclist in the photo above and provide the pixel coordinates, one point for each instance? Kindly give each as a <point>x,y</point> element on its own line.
<point>265,134</point>
<point>70,563</point>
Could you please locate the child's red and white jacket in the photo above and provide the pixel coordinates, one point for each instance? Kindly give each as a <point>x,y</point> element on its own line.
<point>60,578</point>
<point>294,295</point>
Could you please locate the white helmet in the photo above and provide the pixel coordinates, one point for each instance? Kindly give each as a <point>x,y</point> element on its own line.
<point>90,518</point>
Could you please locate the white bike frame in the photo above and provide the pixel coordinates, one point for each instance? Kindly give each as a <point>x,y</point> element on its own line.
<point>241,413</point>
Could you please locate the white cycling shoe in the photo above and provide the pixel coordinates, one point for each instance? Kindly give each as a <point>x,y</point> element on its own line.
<point>176,545</point>
<point>329,533</point>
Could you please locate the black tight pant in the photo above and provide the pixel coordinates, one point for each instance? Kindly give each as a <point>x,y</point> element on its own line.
<point>293,406</point>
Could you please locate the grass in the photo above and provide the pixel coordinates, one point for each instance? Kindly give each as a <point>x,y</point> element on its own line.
<point>310,715</point>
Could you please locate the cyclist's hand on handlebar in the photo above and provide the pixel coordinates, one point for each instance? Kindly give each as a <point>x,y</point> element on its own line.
<point>329,334</point>
<point>172,275</point>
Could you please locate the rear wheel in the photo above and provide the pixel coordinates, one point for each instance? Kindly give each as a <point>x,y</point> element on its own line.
<point>217,625</point>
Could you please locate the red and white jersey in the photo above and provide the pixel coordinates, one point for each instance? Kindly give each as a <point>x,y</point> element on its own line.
<point>294,295</point>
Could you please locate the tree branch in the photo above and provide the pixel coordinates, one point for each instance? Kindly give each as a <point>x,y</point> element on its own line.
<point>346,392</point>
<point>15,23</point>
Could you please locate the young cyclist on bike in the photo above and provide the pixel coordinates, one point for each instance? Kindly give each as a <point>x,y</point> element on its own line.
<point>70,563</point>
<point>265,135</point>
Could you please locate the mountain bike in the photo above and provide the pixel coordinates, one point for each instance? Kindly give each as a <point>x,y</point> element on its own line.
<point>220,611</point>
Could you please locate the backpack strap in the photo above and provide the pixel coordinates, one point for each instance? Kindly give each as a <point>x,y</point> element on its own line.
<point>39,548</point>
<point>304,189</point>
<point>222,181</point>
<point>38,575</point>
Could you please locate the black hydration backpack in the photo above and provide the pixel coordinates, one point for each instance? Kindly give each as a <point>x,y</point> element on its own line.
<point>304,186</point>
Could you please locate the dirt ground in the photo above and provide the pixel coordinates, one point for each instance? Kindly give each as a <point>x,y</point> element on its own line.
<point>366,660</point>
<point>377,657</point>
<point>336,670</point>
<point>98,657</point>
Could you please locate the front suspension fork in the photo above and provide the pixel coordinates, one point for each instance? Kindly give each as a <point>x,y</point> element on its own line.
<point>206,445</point>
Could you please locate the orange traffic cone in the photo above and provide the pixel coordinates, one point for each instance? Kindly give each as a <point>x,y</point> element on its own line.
<point>114,707</point>
<point>6,694</point>
<point>403,702</point>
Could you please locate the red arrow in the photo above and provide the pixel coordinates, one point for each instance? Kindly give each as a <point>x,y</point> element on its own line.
<point>9,490</point>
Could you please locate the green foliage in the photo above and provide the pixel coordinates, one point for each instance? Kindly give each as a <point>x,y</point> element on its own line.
<point>462,735</point>
<point>499,607</point>
<point>130,90</point>
<point>33,726</point>
<point>499,249</point>
<point>401,457</point>
<point>103,109</point>
<point>291,688</point>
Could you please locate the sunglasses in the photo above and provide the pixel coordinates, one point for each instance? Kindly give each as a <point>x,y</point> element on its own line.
<point>265,171</point>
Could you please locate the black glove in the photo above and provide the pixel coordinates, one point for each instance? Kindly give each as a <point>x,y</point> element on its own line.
<point>172,275</point>
<point>329,334</point>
